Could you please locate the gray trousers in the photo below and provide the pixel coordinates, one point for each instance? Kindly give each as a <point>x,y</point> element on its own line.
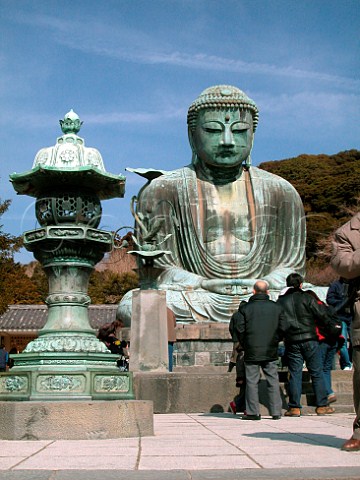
<point>252,371</point>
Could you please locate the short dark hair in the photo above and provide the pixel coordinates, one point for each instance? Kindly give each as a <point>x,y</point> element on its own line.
<point>294,280</point>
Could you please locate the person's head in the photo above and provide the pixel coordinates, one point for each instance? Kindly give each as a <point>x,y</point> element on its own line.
<point>261,286</point>
<point>118,324</point>
<point>222,122</point>
<point>106,330</point>
<point>294,280</point>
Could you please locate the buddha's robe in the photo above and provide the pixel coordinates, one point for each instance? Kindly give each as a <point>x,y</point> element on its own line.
<point>251,228</point>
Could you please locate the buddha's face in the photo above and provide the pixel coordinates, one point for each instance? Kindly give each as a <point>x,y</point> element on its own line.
<point>223,138</point>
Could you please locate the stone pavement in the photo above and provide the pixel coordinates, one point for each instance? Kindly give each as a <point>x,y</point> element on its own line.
<point>211,446</point>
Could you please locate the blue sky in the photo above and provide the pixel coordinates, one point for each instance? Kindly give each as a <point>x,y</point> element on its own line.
<point>131,68</point>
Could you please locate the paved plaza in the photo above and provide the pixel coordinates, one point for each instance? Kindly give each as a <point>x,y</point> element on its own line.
<point>212,446</point>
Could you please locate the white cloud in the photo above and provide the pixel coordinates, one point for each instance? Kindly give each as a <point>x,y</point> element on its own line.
<point>133,117</point>
<point>134,46</point>
<point>313,109</point>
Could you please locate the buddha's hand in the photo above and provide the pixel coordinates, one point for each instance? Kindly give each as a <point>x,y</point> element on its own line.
<point>228,286</point>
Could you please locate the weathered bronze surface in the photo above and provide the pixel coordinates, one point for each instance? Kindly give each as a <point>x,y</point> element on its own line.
<point>230,223</point>
<point>67,361</point>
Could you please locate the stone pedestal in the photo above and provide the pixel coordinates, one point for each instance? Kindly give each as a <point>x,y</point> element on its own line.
<point>76,420</point>
<point>149,344</point>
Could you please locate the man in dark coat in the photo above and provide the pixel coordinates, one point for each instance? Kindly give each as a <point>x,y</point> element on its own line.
<point>301,341</point>
<point>259,329</point>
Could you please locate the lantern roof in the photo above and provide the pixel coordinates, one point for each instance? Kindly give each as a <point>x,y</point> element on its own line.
<point>69,164</point>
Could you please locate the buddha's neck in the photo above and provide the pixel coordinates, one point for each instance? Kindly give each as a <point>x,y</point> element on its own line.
<point>217,175</point>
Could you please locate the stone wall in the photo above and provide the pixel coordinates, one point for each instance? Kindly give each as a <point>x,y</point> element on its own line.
<point>202,345</point>
<point>199,344</point>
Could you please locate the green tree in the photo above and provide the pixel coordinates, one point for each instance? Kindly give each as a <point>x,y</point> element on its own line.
<point>39,279</point>
<point>109,287</point>
<point>15,285</point>
<point>18,288</point>
<point>328,185</point>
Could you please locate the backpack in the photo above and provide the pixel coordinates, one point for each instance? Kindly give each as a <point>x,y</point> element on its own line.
<point>330,328</point>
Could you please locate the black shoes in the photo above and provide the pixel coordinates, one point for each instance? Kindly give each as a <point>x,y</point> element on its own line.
<point>258,417</point>
<point>251,417</point>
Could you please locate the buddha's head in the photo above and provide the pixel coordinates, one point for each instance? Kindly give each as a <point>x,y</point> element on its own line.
<point>222,122</point>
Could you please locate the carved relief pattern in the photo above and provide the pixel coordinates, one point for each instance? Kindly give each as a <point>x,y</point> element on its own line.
<point>118,383</point>
<point>60,383</point>
<point>104,237</point>
<point>67,362</point>
<point>68,232</point>
<point>35,235</point>
<point>13,384</point>
<point>67,156</point>
<point>75,343</point>
<point>57,298</point>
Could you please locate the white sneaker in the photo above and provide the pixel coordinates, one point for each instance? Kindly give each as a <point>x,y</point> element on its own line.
<point>347,368</point>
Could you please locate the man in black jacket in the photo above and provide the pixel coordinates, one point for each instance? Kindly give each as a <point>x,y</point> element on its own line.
<point>259,329</point>
<point>301,341</point>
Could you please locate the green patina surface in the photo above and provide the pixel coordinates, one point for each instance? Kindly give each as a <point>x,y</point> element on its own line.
<point>67,361</point>
<point>230,223</point>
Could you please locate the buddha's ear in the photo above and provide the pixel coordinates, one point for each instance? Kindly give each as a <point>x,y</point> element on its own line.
<point>191,139</point>
<point>248,162</point>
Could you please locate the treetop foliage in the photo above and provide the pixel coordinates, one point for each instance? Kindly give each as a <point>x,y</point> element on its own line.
<point>329,186</point>
<point>326,183</point>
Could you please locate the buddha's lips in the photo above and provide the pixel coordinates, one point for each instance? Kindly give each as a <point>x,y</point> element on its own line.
<point>226,153</point>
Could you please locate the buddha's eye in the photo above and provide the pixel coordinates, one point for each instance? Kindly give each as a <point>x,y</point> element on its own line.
<point>212,127</point>
<point>240,127</point>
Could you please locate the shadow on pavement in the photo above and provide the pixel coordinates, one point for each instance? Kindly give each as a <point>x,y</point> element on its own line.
<point>300,437</point>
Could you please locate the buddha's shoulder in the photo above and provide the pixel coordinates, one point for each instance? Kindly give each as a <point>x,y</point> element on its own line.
<point>268,177</point>
<point>173,176</point>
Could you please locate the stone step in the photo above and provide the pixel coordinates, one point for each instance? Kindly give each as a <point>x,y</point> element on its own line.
<point>310,410</point>
<point>337,386</point>
<point>342,398</point>
<point>200,390</point>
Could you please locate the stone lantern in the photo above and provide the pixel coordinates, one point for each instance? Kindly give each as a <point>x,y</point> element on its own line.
<point>67,361</point>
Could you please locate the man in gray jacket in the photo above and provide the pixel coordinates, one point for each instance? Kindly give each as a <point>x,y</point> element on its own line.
<point>346,261</point>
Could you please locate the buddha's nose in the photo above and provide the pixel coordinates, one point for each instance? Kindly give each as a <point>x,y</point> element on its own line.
<point>227,137</point>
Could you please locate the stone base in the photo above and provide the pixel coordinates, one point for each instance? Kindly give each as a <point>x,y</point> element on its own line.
<point>76,420</point>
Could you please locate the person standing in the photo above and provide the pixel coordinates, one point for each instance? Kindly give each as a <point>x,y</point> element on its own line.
<point>237,359</point>
<point>4,358</point>
<point>171,326</point>
<point>345,260</point>
<point>301,311</point>
<point>329,342</point>
<point>259,329</point>
<point>338,297</point>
